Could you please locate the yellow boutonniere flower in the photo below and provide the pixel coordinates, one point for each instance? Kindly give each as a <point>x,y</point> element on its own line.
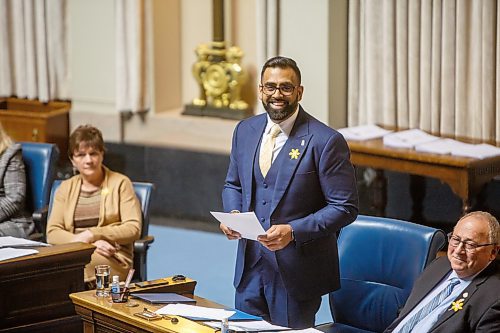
<point>104,191</point>
<point>294,154</point>
<point>458,305</point>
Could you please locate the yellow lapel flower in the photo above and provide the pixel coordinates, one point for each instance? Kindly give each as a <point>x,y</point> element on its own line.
<point>458,305</point>
<point>104,191</point>
<point>294,154</point>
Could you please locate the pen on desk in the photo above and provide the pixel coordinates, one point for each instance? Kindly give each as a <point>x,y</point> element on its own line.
<point>127,283</point>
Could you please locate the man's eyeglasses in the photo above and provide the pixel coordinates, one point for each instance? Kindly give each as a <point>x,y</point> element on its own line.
<point>468,246</point>
<point>270,89</point>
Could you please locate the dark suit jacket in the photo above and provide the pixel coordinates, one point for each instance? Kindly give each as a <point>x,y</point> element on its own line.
<point>315,193</point>
<point>481,308</point>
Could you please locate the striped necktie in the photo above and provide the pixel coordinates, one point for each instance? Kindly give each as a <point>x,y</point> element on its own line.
<point>266,149</point>
<point>426,309</point>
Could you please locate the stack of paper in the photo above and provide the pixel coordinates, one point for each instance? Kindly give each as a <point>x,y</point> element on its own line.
<point>481,151</point>
<point>457,148</point>
<point>363,132</point>
<point>441,146</point>
<point>408,139</point>
<point>13,247</point>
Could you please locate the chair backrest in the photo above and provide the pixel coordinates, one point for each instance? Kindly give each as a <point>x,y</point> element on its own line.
<point>143,192</point>
<point>380,259</point>
<point>40,160</point>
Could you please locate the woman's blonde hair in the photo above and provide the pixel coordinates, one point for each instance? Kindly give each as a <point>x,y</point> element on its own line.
<point>5,140</point>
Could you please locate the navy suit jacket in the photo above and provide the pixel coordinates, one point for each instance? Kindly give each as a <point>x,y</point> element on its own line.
<point>481,307</point>
<point>314,193</point>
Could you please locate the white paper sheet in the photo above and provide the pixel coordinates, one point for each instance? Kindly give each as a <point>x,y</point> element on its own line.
<point>249,326</point>
<point>363,132</point>
<point>9,253</point>
<point>408,139</point>
<point>441,146</point>
<point>246,224</point>
<point>195,311</point>
<point>9,241</point>
<point>481,151</point>
<point>258,326</point>
<point>307,330</point>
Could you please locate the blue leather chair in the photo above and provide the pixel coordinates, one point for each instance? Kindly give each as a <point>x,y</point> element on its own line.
<point>380,259</point>
<point>143,191</point>
<point>141,246</point>
<point>40,160</point>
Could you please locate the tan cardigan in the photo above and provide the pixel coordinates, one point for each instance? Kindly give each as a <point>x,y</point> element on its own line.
<point>119,219</point>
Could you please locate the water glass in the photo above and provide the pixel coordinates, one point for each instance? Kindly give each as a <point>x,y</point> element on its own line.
<point>102,273</point>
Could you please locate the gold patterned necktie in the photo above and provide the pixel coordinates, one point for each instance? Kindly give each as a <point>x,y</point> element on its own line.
<point>266,149</point>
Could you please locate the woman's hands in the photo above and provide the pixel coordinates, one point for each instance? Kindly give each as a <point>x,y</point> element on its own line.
<point>85,237</point>
<point>104,248</point>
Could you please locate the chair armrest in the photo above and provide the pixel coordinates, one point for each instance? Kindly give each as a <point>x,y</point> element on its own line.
<point>142,245</point>
<point>40,220</point>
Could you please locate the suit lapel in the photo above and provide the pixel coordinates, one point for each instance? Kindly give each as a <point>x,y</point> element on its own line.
<point>251,147</point>
<point>470,290</point>
<point>294,149</point>
<point>434,279</point>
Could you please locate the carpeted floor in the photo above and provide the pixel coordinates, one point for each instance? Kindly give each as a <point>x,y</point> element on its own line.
<point>197,250</point>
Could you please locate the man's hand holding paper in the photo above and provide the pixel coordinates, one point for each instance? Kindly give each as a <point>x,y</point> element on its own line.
<point>240,225</point>
<point>230,233</point>
<point>277,237</point>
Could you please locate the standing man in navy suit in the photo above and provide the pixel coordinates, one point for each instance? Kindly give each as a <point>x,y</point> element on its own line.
<point>302,199</point>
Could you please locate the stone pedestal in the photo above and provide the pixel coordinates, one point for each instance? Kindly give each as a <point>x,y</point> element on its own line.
<point>224,112</point>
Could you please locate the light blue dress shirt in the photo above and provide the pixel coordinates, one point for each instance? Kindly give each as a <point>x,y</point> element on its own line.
<point>426,324</point>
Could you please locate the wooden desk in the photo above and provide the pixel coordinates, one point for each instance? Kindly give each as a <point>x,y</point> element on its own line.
<point>465,176</point>
<point>34,289</point>
<point>99,314</point>
<point>28,120</point>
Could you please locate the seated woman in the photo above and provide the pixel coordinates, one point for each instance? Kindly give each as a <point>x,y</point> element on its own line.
<point>14,218</point>
<point>97,206</point>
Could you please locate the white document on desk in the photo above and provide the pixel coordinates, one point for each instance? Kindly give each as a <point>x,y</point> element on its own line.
<point>9,241</point>
<point>363,132</point>
<point>249,326</point>
<point>246,224</point>
<point>11,253</point>
<point>195,311</point>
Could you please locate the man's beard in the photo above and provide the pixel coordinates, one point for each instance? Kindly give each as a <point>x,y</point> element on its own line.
<point>281,114</point>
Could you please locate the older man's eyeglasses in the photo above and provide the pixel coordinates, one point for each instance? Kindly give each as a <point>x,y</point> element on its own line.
<point>468,245</point>
<point>270,89</point>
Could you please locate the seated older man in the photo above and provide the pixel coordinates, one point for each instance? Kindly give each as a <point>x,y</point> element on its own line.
<point>460,292</point>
